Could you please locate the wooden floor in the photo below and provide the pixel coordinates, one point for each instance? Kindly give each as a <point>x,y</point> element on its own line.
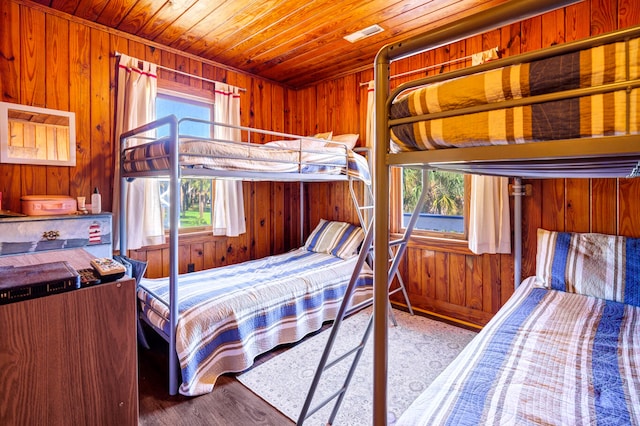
<point>229,404</point>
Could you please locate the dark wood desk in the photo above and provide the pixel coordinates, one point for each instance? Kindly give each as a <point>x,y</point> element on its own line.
<point>69,358</point>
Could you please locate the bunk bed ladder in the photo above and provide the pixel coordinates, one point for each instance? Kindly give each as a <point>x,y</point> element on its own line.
<point>365,255</point>
<point>365,216</point>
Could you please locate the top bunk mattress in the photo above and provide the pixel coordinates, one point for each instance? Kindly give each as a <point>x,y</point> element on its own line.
<point>612,111</point>
<point>281,157</point>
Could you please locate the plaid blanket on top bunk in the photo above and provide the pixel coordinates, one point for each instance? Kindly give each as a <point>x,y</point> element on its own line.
<point>229,315</point>
<point>586,116</point>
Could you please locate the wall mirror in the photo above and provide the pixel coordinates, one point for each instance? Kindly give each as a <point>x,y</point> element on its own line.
<point>33,135</point>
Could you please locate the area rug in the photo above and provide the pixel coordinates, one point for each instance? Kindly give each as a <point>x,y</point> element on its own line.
<point>419,349</point>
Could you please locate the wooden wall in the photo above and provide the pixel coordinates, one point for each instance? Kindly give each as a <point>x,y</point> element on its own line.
<point>445,278</point>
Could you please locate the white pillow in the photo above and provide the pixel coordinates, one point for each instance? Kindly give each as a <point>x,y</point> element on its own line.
<point>349,139</point>
<point>325,135</point>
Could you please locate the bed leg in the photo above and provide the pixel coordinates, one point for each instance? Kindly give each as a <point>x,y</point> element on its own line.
<point>142,338</point>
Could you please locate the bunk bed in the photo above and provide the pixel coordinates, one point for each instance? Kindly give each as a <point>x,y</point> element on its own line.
<point>522,368</point>
<point>217,321</point>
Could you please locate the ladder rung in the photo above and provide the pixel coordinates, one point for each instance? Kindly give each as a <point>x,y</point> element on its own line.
<point>343,356</point>
<point>361,305</point>
<point>324,402</point>
<point>394,291</point>
<point>396,242</point>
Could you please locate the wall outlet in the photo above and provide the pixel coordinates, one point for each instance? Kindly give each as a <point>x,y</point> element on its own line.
<point>191,267</point>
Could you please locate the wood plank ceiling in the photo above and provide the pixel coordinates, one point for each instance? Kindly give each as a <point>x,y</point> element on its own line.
<point>295,43</point>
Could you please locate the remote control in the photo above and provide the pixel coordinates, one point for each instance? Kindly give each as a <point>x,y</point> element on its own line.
<point>88,277</point>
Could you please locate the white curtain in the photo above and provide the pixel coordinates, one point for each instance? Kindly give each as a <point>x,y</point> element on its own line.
<point>136,105</point>
<point>489,227</point>
<point>370,143</point>
<point>371,119</point>
<point>228,208</point>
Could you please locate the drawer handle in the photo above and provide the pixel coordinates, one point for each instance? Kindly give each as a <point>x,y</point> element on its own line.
<point>51,235</point>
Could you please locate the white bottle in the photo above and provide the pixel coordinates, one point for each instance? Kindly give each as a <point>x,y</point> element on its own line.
<point>96,201</point>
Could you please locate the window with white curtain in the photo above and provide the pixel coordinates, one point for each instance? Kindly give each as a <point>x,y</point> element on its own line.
<point>196,195</point>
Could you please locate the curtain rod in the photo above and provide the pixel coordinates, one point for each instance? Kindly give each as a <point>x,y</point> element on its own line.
<point>430,67</point>
<point>186,74</point>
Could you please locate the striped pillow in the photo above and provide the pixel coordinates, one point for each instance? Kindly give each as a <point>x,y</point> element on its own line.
<point>337,238</point>
<point>599,265</point>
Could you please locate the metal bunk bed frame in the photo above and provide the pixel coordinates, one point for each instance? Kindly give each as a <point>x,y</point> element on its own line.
<point>614,148</point>
<point>176,172</point>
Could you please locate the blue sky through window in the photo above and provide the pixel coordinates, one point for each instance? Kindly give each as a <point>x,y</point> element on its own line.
<point>166,105</point>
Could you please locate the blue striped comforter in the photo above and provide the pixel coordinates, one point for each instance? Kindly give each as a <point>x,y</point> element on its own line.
<point>230,315</point>
<point>548,357</point>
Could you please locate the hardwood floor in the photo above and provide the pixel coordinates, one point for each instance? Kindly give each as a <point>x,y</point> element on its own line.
<point>229,404</point>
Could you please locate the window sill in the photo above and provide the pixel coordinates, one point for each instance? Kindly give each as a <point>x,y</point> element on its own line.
<point>184,237</point>
<point>447,245</point>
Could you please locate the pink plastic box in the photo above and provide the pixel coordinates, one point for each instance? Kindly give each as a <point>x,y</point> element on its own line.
<point>45,205</point>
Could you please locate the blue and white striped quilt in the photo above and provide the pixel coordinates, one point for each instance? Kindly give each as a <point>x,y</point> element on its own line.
<point>548,357</point>
<point>230,315</point>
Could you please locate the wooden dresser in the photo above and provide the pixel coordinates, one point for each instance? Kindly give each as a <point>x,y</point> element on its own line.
<point>69,358</point>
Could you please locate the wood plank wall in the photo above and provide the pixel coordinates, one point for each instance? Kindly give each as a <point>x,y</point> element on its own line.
<point>47,59</point>
<point>452,282</point>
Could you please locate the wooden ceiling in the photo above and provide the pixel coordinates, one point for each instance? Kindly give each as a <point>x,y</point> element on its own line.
<point>296,43</point>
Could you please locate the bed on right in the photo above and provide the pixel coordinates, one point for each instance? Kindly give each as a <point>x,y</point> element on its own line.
<point>565,348</point>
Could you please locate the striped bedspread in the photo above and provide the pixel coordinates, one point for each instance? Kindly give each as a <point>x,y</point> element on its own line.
<point>230,315</point>
<point>548,357</point>
<point>608,114</point>
<point>240,156</point>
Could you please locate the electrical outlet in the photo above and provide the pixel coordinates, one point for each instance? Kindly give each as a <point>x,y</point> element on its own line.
<point>191,267</point>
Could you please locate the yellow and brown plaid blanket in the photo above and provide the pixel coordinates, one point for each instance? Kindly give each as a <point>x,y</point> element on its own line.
<point>612,113</point>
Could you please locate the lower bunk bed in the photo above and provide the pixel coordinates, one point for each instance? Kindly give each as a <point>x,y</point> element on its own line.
<point>229,315</point>
<point>565,348</point>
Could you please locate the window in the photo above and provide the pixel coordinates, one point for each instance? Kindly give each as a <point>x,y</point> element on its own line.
<point>196,195</point>
<point>444,209</point>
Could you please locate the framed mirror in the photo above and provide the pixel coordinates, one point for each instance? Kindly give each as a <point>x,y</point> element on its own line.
<point>33,135</point>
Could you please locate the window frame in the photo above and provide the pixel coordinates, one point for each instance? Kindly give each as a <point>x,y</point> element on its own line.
<point>434,240</point>
<point>185,92</point>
